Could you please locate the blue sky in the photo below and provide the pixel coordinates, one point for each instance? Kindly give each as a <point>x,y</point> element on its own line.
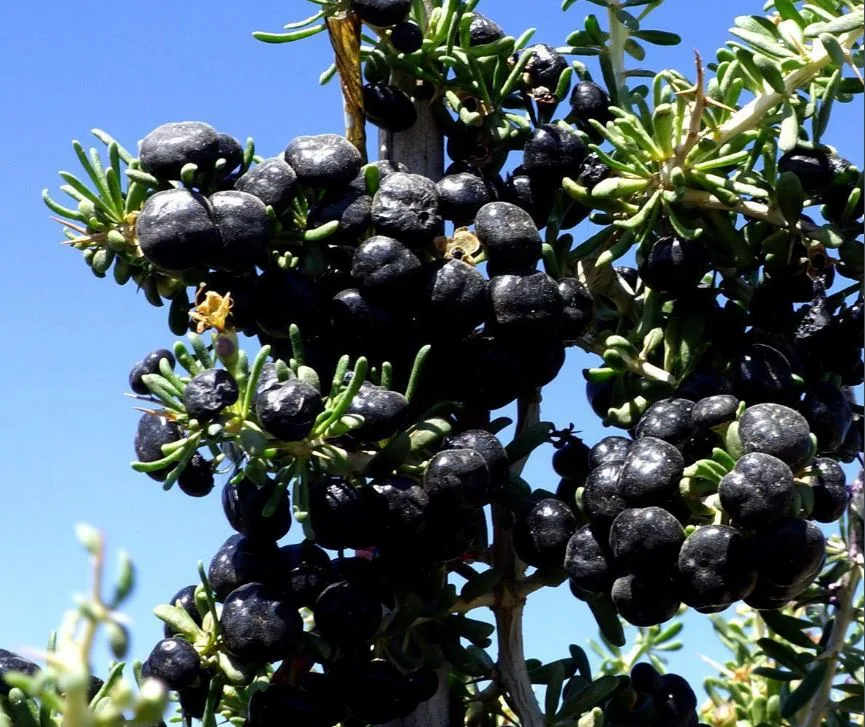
<point>70,339</point>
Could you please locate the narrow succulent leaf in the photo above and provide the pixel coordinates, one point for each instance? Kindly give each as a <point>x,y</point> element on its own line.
<point>289,37</point>
<point>806,689</point>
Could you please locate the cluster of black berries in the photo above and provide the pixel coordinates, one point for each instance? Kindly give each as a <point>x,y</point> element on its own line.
<point>660,700</point>
<point>385,264</point>
<point>762,547</point>
<point>402,528</point>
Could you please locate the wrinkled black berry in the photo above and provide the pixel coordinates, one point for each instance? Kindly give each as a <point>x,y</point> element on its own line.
<point>176,230</point>
<point>590,101</point>
<point>543,69</point>
<point>482,30</point>
<point>533,197</point>
<point>457,478</point>
<point>240,561</point>
<point>353,212</point>
<point>651,472</point>
<point>208,393</point>
<point>12,662</point>
<point>588,561</point>
<point>385,267</point>
<point>407,503</point>
<point>243,504</point>
<point>527,306</point>
<point>763,374</point>
<point>645,600</point>
<point>343,516</point>
<point>830,491</point>
<point>578,308</point>
<point>244,230</point>
<point>553,152</point>
<point>646,539</point>
<point>174,662</point>
<point>273,181</point>
<point>148,365</point>
<point>810,166</point>
<point>383,412</point>
<point>667,419</point>
<point>541,535</point>
<point>388,107</point>
<point>406,207</point>
<point>456,301</point>
<point>714,411</point>
<point>509,236</point>
<point>186,597</point>
<point>288,411</point>
<point>324,161</point>
<point>153,433</point>
<point>305,571</point>
<point>777,430</point>
<point>828,414</point>
<point>716,568</point>
<point>382,13</point>
<point>758,491</point>
<point>609,449</point>
<point>461,196</point>
<point>166,149</point>
<point>257,626</point>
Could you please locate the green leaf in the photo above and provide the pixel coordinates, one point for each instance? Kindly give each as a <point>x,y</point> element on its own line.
<point>482,583</point>
<point>608,620</point>
<point>789,136</point>
<point>821,120</point>
<point>844,24</point>
<point>807,688</point>
<point>764,43</point>
<point>658,37</point>
<point>554,688</point>
<point>771,72</point>
<point>780,675</point>
<point>634,49</point>
<point>790,196</point>
<point>787,10</point>
<point>581,661</point>
<point>590,696</point>
<point>789,628</point>
<point>288,37</point>
<point>783,654</point>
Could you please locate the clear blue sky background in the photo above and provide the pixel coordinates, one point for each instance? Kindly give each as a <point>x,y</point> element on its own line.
<point>66,429</point>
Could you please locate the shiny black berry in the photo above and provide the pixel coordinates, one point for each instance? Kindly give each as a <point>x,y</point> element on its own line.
<point>589,562</point>
<point>186,598</point>
<point>406,37</point>
<point>572,459</point>
<point>208,393</point>
<point>353,212</point>
<point>602,496</point>
<point>553,152</point>
<point>482,30</point>
<point>673,267</point>
<point>388,107</point>
<point>828,484</point>
<point>273,181</point>
<point>828,414</point>
<point>777,430</point>
<point>382,13</point>
<point>288,411</point>
<point>385,268</point>
<point>763,374</point>
<point>407,504</point>
<point>383,412</point>
<point>243,504</point>
<point>541,535</point>
<point>176,230</point>
<point>509,236</point>
<point>532,196</point>
<point>646,539</point>
<point>239,561</point>
<point>305,571</point>
<point>461,196</point>
<point>758,491</point>
<point>325,161</point>
<point>675,700</point>
<point>244,230</point>
<point>527,306</point>
<point>578,308</point>
<point>456,298</point>
<point>810,166</point>
<point>153,433</point>
<point>174,662</point>
<point>196,478</point>
<point>645,599</point>
<point>406,207</point>
<point>257,626</point>
<point>590,101</point>
<point>651,472</point>
<point>12,662</point>
<point>543,69</point>
<point>457,478</point>
<point>347,615</point>
<point>489,447</point>
<point>714,411</point>
<point>789,551</point>
<point>344,516</point>
<point>716,568</point>
<point>148,365</point>
<point>667,419</point>
<point>609,449</point>
<point>168,148</point>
